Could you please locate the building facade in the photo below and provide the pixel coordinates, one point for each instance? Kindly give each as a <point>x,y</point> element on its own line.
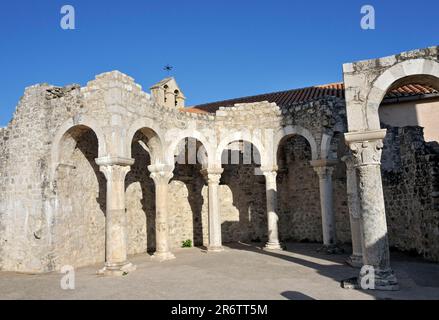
<point>94,174</point>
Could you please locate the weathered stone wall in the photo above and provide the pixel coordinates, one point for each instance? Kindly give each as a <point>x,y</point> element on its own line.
<point>27,202</point>
<point>79,228</point>
<point>298,189</point>
<point>26,236</point>
<point>410,175</point>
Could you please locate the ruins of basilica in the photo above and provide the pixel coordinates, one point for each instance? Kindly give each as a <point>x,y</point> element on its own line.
<point>95,174</point>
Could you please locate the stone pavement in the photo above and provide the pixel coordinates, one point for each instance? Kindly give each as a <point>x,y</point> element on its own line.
<point>241,272</point>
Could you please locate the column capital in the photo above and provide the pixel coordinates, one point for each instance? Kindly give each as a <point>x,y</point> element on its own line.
<point>324,172</point>
<point>269,169</point>
<point>324,167</point>
<point>115,172</point>
<point>161,173</point>
<point>366,146</point>
<point>111,161</point>
<point>348,159</point>
<point>212,175</point>
<point>366,153</point>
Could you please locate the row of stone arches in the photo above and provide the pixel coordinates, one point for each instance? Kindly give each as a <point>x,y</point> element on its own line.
<point>162,145</point>
<point>143,229</point>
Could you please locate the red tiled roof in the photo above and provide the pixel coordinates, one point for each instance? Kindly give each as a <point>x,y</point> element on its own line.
<point>311,93</point>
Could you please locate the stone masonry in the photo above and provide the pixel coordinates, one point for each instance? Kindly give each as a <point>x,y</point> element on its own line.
<point>68,154</point>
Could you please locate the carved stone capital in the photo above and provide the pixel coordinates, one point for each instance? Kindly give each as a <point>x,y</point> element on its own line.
<point>270,174</point>
<point>324,167</point>
<point>212,175</point>
<point>366,146</point>
<point>324,172</point>
<point>366,153</point>
<point>160,173</point>
<point>348,159</point>
<point>114,173</point>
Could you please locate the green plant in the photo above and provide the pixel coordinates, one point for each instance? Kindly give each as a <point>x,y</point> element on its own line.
<point>186,244</point>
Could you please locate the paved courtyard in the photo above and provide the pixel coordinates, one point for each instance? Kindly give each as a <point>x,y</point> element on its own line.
<point>241,272</point>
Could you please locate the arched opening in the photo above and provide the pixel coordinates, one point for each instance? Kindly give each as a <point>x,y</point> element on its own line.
<point>187,197</point>
<point>412,101</point>
<point>140,192</point>
<point>409,112</point>
<point>298,192</point>
<point>242,194</point>
<point>79,228</point>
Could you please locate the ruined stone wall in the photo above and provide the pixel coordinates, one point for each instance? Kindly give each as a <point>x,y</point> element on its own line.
<point>26,199</point>
<point>410,173</point>
<point>26,235</point>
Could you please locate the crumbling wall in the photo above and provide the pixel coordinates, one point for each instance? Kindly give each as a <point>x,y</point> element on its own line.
<point>26,200</point>
<point>25,177</point>
<point>410,173</point>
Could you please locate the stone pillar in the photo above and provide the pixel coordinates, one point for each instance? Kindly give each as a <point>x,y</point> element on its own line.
<point>366,149</point>
<point>116,237</point>
<point>324,169</point>
<point>273,219</point>
<point>356,259</point>
<point>213,176</point>
<point>161,174</point>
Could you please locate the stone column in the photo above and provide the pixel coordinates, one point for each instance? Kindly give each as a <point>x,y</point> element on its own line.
<point>324,169</point>
<point>213,176</point>
<point>273,219</point>
<point>366,150</point>
<point>116,238</point>
<point>161,174</point>
<point>356,259</point>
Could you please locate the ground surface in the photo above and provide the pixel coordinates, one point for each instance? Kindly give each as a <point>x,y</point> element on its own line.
<point>240,272</point>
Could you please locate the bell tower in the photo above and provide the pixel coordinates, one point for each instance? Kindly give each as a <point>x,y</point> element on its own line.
<point>167,93</point>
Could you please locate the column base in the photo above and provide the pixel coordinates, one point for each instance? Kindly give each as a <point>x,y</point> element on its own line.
<point>275,246</point>
<point>215,249</point>
<point>384,281</point>
<point>355,261</point>
<point>330,249</point>
<point>117,269</point>
<point>163,256</point>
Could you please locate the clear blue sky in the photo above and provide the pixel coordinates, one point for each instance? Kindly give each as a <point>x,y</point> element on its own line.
<point>220,49</point>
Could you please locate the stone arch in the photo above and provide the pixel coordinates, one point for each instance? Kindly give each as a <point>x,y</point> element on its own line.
<point>242,188</point>
<point>187,154</point>
<point>287,131</point>
<point>152,132</point>
<point>241,136</point>
<point>379,88</point>
<point>80,192</point>
<point>325,145</point>
<point>85,121</point>
<point>175,137</point>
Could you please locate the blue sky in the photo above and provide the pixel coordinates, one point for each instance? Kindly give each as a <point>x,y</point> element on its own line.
<point>219,49</point>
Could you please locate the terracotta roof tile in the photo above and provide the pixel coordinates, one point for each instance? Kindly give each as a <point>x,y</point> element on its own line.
<point>311,93</point>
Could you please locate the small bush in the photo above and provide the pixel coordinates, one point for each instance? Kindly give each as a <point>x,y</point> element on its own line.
<point>186,244</point>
